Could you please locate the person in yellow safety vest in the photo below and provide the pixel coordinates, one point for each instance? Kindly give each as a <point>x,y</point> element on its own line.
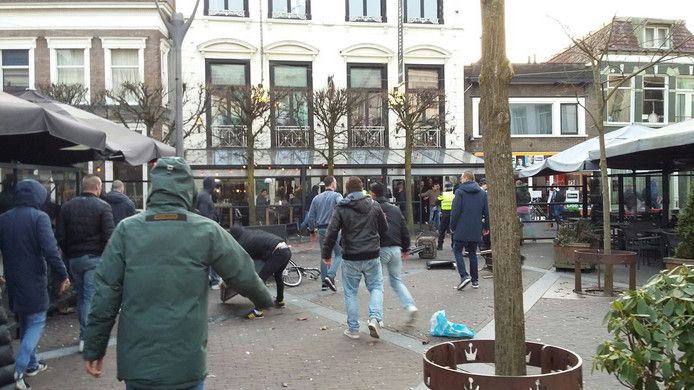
<point>446,200</point>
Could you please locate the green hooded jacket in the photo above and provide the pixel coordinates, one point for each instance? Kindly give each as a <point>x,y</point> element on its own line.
<point>155,271</point>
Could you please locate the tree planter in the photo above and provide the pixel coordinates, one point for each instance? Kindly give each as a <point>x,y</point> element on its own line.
<point>673,262</point>
<point>561,368</point>
<point>564,256</point>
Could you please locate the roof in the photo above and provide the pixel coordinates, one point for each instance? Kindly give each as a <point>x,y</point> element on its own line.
<point>543,73</point>
<point>622,36</point>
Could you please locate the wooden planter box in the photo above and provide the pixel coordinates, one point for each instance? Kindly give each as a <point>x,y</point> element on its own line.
<point>673,262</point>
<point>564,256</point>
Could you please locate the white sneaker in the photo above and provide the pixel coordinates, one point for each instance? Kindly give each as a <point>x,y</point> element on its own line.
<point>81,346</point>
<point>20,383</point>
<point>352,334</point>
<point>374,326</point>
<point>216,286</point>
<point>412,314</point>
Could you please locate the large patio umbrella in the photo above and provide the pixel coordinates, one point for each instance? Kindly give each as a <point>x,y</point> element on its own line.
<point>121,142</point>
<point>669,148</point>
<point>33,135</point>
<point>578,157</point>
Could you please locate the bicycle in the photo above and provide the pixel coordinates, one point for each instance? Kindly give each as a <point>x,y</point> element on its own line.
<point>293,274</point>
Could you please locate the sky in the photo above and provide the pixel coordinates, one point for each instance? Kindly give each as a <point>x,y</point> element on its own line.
<point>533,27</point>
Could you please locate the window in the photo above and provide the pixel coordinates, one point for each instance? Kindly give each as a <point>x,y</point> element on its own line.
<point>224,78</point>
<point>684,98</point>
<point>619,105</point>
<point>540,116</point>
<point>428,78</point>
<point>656,37</point>
<point>237,8</point>
<point>124,60</point>
<point>69,66</point>
<point>290,9</point>
<point>424,11</point>
<point>290,84</point>
<point>368,121</point>
<point>366,11</point>
<point>654,101</point>
<point>569,118</point>
<point>14,70</point>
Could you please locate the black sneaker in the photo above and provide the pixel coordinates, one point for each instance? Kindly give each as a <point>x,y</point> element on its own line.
<point>330,282</point>
<point>324,287</point>
<point>439,247</point>
<point>279,303</point>
<point>463,283</point>
<point>42,366</point>
<point>475,285</point>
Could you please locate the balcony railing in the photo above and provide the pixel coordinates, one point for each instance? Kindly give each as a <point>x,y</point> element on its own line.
<point>368,137</point>
<point>292,136</point>
<point>289,15</point>
<point>227,12</point>
<point>230,136</point>
<point>362,18</point>
<point>423,20</point>
<point>428,138</point>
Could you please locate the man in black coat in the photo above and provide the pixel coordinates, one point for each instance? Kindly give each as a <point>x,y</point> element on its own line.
<point>27,244</point>
<point>121,206</point>
<point>204,204</point>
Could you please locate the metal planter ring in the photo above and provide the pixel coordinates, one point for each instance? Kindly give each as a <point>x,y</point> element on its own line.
<point>560,368</point>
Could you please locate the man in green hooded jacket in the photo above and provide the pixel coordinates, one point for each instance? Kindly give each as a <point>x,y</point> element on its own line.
<point>154,271</point>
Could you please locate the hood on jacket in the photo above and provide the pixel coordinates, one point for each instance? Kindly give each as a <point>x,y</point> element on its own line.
<point>115,197</point>
<point>470,187</point>
<point>358,201</point>
<point>208,184</point>
<point>172,184</point>
<point>30,193</point>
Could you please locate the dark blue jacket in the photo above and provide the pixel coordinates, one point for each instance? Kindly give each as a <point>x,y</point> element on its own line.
<point>27,243</point>
<point>204,203</point>
<point>121,206</point>
<point>469,212</point>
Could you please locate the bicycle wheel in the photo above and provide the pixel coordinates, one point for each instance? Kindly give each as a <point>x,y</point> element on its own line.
<point>291,276</point>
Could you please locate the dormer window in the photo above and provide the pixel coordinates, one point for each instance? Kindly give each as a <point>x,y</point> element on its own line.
<point>656,37</point>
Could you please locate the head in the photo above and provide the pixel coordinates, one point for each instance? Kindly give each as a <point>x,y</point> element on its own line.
<point>30,193</point>
<point>91,184</point>
<point>519,183</point>
<point>172,184</point>
<point>354,184</point>
<point>437,187</point>
<point>467,176</point>
<point>483,182</point>
<point>378,190</point>
<point>208,183</point>
<point>330,182</point>
<point>118,186</point>
<point>448,187</point>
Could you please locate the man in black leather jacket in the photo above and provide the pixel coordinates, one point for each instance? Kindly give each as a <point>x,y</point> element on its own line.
<point>362,223</point>
<point>83,230</point>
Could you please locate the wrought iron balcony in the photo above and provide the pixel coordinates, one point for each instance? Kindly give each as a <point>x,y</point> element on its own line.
<point>292,136</point>
<point>423,20</point>
<point>227,12</point>
<point>368,137</point>
<point>289,15</point>
<point>428,138</point>
<point>229,136</point>
<point>362,18</point>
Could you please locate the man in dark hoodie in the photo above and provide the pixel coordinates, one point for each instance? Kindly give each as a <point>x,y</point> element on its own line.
<point>27,243</point>
<point>121,206</point>
<point>362,222</point>
<point>469,217</point>
<point>205,206</point>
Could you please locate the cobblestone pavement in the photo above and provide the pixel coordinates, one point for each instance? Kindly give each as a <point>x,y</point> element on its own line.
<point>302,346</point>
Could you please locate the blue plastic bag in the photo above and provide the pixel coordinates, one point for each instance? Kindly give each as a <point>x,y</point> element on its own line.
<point>440,326</point>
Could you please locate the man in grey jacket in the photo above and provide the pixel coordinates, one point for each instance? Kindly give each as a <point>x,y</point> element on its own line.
<point>318,218</point>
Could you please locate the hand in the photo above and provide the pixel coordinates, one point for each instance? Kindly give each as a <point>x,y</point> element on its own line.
<point>64,285</point>
<point>94,367</point>
<point>328,261</point>
<point>404,255</point>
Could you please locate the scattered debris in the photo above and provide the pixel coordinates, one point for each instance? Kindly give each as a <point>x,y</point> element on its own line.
<point>302,318</point>
<point>323,327</point>
<point>285,384</point>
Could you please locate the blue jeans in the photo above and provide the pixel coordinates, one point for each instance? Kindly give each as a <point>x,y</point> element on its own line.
<point>337,256</point>
<point>373,277</point>
<point>83,269</point>
<point>31,327</point>
<point>392,260</point>
<point>471,248</point>
<point>214,278</point>
<point>434,216</point>
<point>199,386</point>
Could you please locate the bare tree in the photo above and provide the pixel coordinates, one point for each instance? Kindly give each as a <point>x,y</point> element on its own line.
<point>418,113</point>
<point>71,94</point>
<point>608,76</point>
<point>241,114</point>
<point>330,106</point>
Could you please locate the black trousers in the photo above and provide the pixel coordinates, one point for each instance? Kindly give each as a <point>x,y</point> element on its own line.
<point>274,266</point>
<point>443,226</point>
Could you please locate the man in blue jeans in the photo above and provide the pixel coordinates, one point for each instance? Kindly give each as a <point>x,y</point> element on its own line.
<point>469,217</point>
<point>362,223</point>
<point>318,217</point>
<point>394,247</point>
<point>84,227</point>
<point>27,244</point>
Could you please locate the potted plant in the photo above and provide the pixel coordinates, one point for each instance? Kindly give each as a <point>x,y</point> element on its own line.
<point>684,253</point>
<point>653,337</point>
<point>572,236</point>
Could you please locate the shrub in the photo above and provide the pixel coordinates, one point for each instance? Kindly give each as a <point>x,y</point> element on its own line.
<point>685,228</point>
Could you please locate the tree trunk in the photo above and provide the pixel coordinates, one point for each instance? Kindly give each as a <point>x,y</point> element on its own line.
<point>407,187</point>
<point>495,79</point>
<point>331,153</point>
<point>250,176</point>
<point>604,180</point>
